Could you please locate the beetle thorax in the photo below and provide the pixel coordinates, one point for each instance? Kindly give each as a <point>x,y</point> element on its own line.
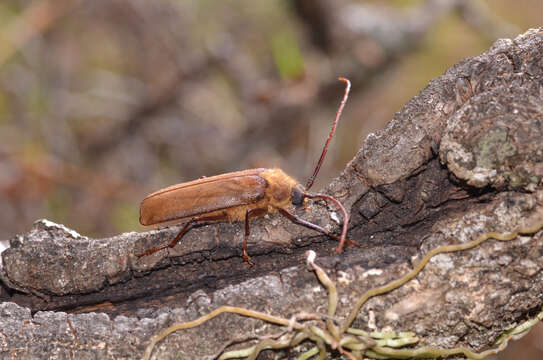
<point>280,187</point>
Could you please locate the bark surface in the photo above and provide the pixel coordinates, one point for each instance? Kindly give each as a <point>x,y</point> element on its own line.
<point>462,158</point>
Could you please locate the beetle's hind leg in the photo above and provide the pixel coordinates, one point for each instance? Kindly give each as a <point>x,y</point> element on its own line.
<point>182,232</point>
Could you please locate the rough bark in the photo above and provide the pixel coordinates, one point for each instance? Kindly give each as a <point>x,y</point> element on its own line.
<point>462,158</point>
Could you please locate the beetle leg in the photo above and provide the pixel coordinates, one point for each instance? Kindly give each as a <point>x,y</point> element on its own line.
<point>345,217</point>
<point>181,233</point>
<point>298,220</point>
<point>250,213</point>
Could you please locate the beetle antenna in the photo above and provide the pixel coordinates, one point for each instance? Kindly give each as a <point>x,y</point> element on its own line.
<point>325,148</point>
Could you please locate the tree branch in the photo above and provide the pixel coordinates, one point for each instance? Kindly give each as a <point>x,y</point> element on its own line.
<point>461,159</point>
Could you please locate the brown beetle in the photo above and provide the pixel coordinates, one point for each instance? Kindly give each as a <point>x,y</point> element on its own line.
<point>238,196</point>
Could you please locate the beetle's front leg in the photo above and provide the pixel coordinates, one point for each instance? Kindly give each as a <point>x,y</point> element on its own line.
<point>298,220</point>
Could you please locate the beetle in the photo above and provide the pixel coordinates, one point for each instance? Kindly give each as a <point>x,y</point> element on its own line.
<point>239,196</point>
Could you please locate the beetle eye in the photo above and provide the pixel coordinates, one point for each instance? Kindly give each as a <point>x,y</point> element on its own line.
<point>297,197</point>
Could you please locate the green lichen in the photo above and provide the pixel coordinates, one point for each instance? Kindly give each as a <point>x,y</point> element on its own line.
<point>492,151</point>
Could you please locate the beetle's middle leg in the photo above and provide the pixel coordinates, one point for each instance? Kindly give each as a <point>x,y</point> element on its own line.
<point>250,213</point>
<point>180,234</point>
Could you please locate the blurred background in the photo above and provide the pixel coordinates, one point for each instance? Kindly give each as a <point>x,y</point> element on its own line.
<point>105,101</point>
